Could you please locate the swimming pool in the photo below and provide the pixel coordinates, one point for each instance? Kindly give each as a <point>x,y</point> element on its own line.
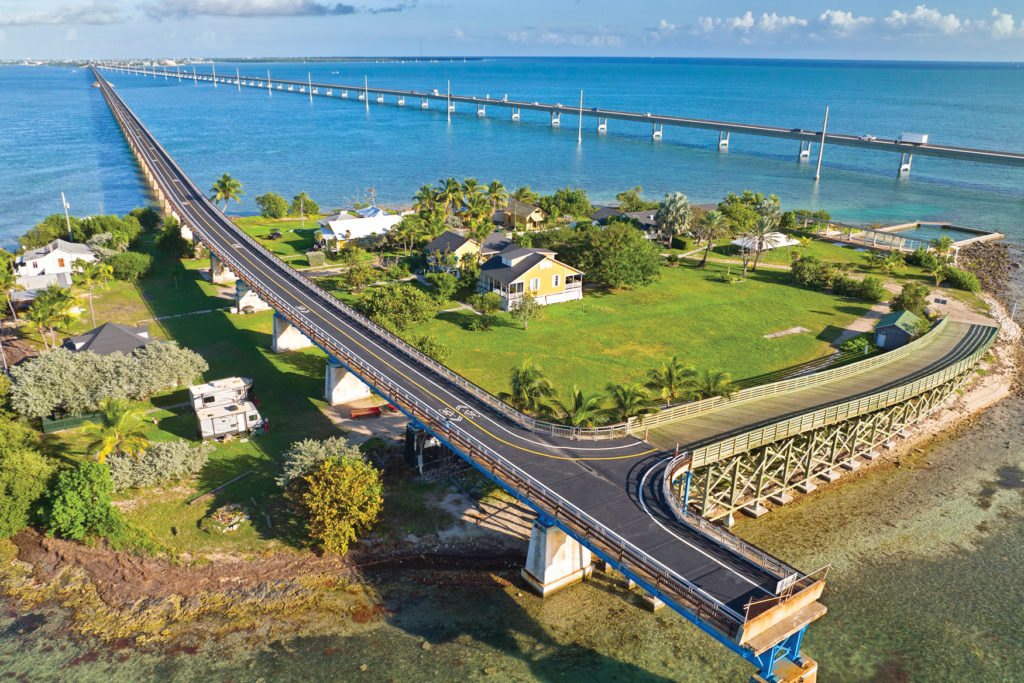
<point>931,231</point>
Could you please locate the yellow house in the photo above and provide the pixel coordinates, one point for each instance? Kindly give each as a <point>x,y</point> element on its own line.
<point>516,270</point>
<point>447,249</point>
<point>518,215</point>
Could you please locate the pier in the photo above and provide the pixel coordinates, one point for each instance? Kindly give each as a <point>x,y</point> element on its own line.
<point>656,122</point>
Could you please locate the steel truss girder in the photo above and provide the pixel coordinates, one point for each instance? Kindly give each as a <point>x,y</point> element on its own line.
<point>749,478</point>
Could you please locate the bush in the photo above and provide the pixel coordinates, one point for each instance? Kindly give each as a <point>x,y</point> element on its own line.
<point>79,504</point>
<point>360,275</point>
<point>160,462</point>
<point>148,217</point>
<point>618,256</point>
<point>316,258</point>
<point>807,271</point>
<point>844,286</point>
<point>445,284</point>
<point>338,499</point>
<point>50,228</point>
<point>130,266</point>
<point>912,297</point>
<point>302,457</point>
<point>303,204</point>
<point>398,305</point>
<point>871,289</point>
<point>272,205</point>
<point>961,279</point>
<point>859,343</point>
<point>398,272</point>
<point>24,473</point>
<point>437,350</point>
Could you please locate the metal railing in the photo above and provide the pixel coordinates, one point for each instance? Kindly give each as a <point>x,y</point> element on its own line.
<point>685,410</point>
<point>580,524</point>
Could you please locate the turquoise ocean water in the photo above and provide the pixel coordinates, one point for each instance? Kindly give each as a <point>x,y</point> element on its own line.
<point>58,135</point>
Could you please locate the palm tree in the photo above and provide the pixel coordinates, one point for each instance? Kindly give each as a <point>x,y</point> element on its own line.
<point>40,315</point>
<point>760,239</point>
<point>805,241</point>
<point>433,225</point>
<point>57,302</point>
<point>425,198</point>
<point>120,432</point>
<point>225,189</point>
<point>524,194</point>
<point>669,381</point>
<point>450,194</point>
<point>712,383</point>
<point>893,262</point>
<point>673,218</point>
<point>626,401</point>
<point>471,187</point>
<point>874,259</point>
<point>712,227</point>
<point>480,231</point>
<point>90,274</point>
<point>528,387</point>
<point>9,285</point>
<point>581,410</point>
<point>943,245</point>
<point>937,269</point>
<point>497,195</point>
<point>478,208</point>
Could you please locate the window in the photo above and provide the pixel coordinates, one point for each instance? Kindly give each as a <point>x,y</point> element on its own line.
<point>535,284</point>
<point>545,264</point>
<point>60,263</point>
<point>556,280</point>
<point>35,264</point>
<point>207,400</point>
<point>515,288</point>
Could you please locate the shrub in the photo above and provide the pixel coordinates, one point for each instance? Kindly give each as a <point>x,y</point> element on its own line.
<point>302,457</point>
<point>437,350</point>
<point>316,258</point>
<point>24,473</point>
<point>487,303</point>
<point>961,279</point>
<point>445,284</point>
<point>130,266</point>
<point>160,462</point>
<point>871,289</point>
<point>859,343</point>
<point>338,499</point>
<point>806,271</point>
<point>479,323</point>
<point>618,256</point>
<point>148,217</point>
<point>912,297</point>
<point>170,239</point>
<point>398,272</point>
<point>79,504</point>
<point>360,275</point>
<point>399,305</point>
<point>303,204</point>
<point>844,286</point>
<point>272,205</point>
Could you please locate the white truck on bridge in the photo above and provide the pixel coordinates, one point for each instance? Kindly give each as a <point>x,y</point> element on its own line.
<point>913,138</point>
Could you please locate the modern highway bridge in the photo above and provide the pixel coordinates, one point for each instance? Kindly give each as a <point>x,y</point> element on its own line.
<point>806,138</point>
<point>612,492</point>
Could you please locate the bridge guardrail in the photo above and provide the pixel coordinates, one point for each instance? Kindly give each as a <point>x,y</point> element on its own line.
<point>785,386</point>
<point>579,523</point>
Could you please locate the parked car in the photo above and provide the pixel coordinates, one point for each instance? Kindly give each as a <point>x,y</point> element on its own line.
<point>868,138</point>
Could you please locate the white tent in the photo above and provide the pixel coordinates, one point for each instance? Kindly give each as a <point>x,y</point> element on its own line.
<point>772,240</point>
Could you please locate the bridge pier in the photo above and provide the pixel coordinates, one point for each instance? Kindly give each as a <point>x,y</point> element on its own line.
<point>287,337</point>
<point>380,98</point>
<point>344,94</point>
<point>341,386</point>
<point>723,140</point>
<point>248,301</point>
<point>556,119</point>
<point>515,113</point>
<point>805,151</point>
<point>451,106</point>
<point>481,110</point>
<point>554,559</point>
<point>424,104</point>
<point>401,100</point>
<point>602,124</point>
<point>220,273</point>
<point>904,167</point>
<point>656,131</point>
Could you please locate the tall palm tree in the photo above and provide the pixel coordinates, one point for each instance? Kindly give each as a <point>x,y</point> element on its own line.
<point>471,187</point>
<point>712,383</point>
<point>528,388</point>
<point>497,195</point>
<point>893,262</point>
<point>712,227</point>
<point>581,410</point>
<point>626,401</point>
<point>480,231</point>
<point>524,194</point>
<point>943,245</point>
<point>91,274</point>
<point>225,189</point>
<point>669,381</point>
<point>674,216</point>
<point>120,432</point>
<point>450,194</point>
<point>433,225</point>
<point>425,198</point>
<point>760,239</point>
<point>57,302</point>
<point>9,285</point>
<point>478,208</point>
<point>40,315</point>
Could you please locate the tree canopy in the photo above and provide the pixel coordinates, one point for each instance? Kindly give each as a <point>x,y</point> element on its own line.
<point>618,256</point>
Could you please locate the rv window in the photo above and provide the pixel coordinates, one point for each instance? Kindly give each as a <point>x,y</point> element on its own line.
<point>253,417</point>
<point>209,399</point>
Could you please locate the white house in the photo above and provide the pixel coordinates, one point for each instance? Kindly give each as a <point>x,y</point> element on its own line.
<point>57,257</point>
<point>353,225</point>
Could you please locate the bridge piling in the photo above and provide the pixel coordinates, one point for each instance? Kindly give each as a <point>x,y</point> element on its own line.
<point>286,337</point>
<point>220,273</point>
<point>723,140</point>
<point>805,151</point>
<point>341,386</point>
<point>481,110</point>
<point>554,559</point>
<point>904,167</point>
<point>401,100</point>
<point>656,132</point>
<point>556,119</point>
<point>515,113</point>
<point>602,125</point>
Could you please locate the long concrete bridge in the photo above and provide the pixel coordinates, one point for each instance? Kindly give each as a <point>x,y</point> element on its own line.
<point>604,491</point>
<point>657,122</point>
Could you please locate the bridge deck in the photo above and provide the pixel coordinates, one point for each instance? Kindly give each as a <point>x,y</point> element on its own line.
<point>617,483</point>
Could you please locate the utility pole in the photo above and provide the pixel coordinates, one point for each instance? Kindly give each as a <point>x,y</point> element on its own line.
<point>309,86</point>
<point>366,92</point>
<point>270,89</point>
<point>195,78</point>
<point>448,107</point>
<point>579,133</point>
<point>213,65</point>
<point>821,145</point>
<point>238,80</point>
<point>67,219</point>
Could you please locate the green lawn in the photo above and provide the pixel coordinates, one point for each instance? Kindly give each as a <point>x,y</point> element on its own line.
<point>618,336</point>
<point>294,240</point>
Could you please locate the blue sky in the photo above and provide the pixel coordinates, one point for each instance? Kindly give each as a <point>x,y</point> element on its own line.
<point>867,29</point>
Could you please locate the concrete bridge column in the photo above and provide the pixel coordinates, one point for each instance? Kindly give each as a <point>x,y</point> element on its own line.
<point>556,119</point>
<point>424,104</point>
<point>554,559</point>
<point>344,94</point>
<point>656,131</point>
<point>515,113</point>
<point>246,299</point>
<point>905,161</point>
<point>287,337</point>
<point>401,100</point>
<point>341,386</point>
<point>602,125</point>
<point>481,110</point>
<point>805,151</point>
<point>219,272</point>
<point>723,140</point>
<point>380,98</point>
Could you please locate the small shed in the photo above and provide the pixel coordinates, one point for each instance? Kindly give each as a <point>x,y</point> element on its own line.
<point>895,329</point>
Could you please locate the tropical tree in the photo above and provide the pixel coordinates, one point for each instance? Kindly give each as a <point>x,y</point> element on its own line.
<point>91,274</point>
<point>120,432</point>
<point>425,199</point>
<point>528,388</point>
<point>943,245</point>
<point>805,241</point>
<point>450,194</point>
<point>893,262</point>
<point>673,218</point>
<point>874,259</point>
<point>224,189</point>
<point>471,187</point>
<point>712,383</point>
<point>525,195</point>
<point>761,238</point>
<point>57,302</point>
<point>713,226</point>
<point>626,401</point>
<point>581,410</point>
<point>497,195</point>
<point>40,316</point>
<point>9,285</point>
<point>477,208</point>
<point>670,380</point>
<point>526,309</point>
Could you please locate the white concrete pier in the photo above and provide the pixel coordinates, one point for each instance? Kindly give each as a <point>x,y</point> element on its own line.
<point>287,337</point>
<point>554,560</point>
<point>341,386</point>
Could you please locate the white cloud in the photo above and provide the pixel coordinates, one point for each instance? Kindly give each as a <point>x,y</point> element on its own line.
<point>160,9</point>
<point>773,22</point>
<point>457,34</point>
<point>601,37</point>
<point>925,19</point>
<point>663,30</point>
<point>843,22</point>
<point>766,23</point>
<point>744,23</point>
<point>1002,25</point>
<point>707,24</point>
<point>98,12</point>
